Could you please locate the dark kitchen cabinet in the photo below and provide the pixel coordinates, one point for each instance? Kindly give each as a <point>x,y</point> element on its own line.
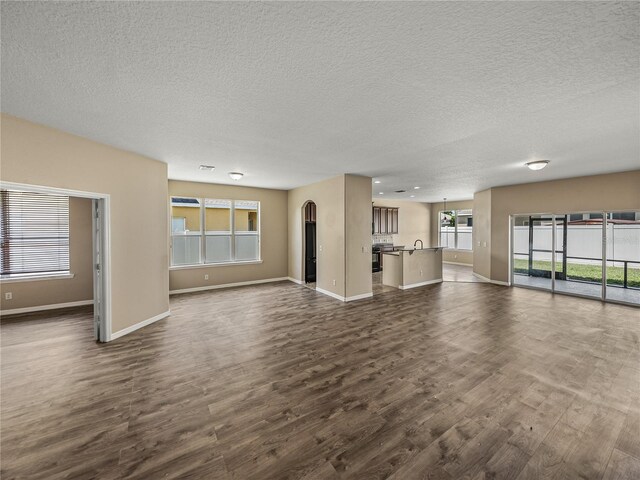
<point>385,220</point>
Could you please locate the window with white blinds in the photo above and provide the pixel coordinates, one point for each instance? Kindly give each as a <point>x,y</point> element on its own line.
<point>34,233</point>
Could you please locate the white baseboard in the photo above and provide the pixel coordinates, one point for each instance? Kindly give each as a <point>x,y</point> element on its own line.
<point>421,284</point>
<point>488,280</point>
<point>227,285</point>
<point>41,308</point>
<point>138,325</point>
<point>295,280</point>
<point>362,296</point>
<point>331,294</point>
<point>458,263</point>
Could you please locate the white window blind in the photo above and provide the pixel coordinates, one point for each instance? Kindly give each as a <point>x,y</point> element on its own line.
<point>34,233</point>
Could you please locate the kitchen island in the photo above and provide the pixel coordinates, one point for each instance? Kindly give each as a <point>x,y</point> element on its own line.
<point>410,268</point>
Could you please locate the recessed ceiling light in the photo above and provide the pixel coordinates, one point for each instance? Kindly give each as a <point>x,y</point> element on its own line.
<point>537,165</point>
<point>381,193</point>
<point>207,167</point>
<point>411,196</point>
<point>236,175</point>
<point>416,188</point>
<point>377,181</point>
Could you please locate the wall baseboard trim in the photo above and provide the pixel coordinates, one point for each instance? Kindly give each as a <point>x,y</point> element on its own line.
<point>228,285</point>
<point>488,280</point>
<point>421,284</point>
<point>459,263</point>
<point>295,280</point>
<point>138,325</point>
<point>362,296</point>
<point>41,308</point>
<point>331,294</point>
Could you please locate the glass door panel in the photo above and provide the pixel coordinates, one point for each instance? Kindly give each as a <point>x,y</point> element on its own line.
<point>532,244</point>
<point>623,257</point>
<point>579,254</point>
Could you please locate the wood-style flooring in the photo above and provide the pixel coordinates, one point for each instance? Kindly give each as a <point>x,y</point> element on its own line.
<point>277,381</point>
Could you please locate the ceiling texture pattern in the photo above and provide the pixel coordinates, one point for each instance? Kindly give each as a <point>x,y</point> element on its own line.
<point>453,97</point>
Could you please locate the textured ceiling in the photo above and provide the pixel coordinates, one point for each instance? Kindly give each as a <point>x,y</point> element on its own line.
<point>450,96</point>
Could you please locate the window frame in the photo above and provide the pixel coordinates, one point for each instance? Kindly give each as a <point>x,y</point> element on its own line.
<point>203,234</point>
<point>456,216</point>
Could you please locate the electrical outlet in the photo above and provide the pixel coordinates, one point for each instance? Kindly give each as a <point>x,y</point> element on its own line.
<point>206,277</point>
<point>334,282</point>
<point>9,295</point>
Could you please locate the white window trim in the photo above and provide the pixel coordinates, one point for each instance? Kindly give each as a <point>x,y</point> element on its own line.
<point>36,277</point>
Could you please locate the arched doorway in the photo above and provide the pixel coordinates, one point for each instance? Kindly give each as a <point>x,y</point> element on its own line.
<point>309,244</point>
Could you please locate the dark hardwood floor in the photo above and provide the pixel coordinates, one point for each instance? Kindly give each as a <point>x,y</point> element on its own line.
<point>449,381</point>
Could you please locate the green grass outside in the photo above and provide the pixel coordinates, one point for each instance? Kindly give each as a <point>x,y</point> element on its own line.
<point>587,273</point>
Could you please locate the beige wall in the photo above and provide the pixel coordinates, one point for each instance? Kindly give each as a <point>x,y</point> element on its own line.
<point>449,255</point>
<point>617,191</point>
<point>273,236</point>
<point>343,256</point>
<point>329,198</point>
<point>414,221</point>
<point>358,235</point>
<point>482,233</point>
<point>37,155</point>
<point>76,289</point>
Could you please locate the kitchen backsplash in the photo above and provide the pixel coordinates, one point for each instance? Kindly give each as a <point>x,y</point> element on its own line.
<point>381,239</point>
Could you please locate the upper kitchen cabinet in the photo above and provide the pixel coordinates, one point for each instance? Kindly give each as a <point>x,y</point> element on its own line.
<point>385,220</point>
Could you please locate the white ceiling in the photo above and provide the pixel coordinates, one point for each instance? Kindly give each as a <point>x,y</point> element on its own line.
<point>450,96</point>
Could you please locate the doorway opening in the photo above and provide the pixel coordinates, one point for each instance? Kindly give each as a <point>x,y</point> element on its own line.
<point>99,254</point>
<point>310,244</point>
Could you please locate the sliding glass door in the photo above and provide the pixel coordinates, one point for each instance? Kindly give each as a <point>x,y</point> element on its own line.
<point>594,254</point>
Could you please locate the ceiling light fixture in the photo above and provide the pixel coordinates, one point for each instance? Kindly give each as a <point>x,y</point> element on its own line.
<point>416,188</point>
<point>537,164</point>
<point>377,181</point>
<point>236,175</point>
<point>207,167</point>
<point>411,196</point>
<point>381,193</point>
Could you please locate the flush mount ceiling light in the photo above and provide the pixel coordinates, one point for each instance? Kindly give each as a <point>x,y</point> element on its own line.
<point>236,175</point>
<point>207,167</point>
<point>537,164</point>
<point>377,181</point>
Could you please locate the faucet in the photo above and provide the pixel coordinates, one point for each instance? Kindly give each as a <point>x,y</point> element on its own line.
<point>421,244</point>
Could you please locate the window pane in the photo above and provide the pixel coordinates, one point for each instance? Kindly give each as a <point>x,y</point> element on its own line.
<point>34,232</point>
<point>185,249</point>
<point>465,229</point>
<point>218,248</point>
<point>448,229</point>
<point>217,216</point>
<point>247,247</point>
<point>246,216</point>
<point>185,216</point>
